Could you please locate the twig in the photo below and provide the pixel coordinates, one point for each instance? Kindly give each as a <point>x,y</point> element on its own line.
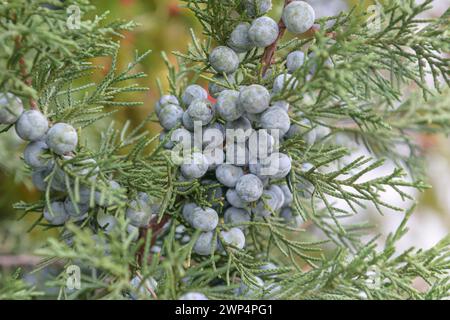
<point>269,52</point>
<point>8,261</point>
<point>156,229</point>
<point>148,288</point>
<point>24,73</point>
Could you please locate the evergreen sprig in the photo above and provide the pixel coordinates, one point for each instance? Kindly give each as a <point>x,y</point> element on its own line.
<point>357,89</point>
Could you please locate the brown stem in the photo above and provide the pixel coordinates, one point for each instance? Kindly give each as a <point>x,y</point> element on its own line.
<point>24,73</point>
<point>156,229</point>
<point>269,52</point>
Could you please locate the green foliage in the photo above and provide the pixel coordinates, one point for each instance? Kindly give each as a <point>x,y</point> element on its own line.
<point>361,95</point>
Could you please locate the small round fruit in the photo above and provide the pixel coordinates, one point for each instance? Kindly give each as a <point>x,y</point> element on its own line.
<point>267,205</point>
<point>254,99</point>
<point>224,60</point>
<point>170,116</point>
<point>276,119</point>
<point>228,174</point>
<point>133,232</point>
<point>284,105</point>
<point>240,124</point>
<point>193,296</point>
<point>321,132</point>
<point>204,219</point>
<point>220,84</point>
<point>234,199</point>
<point>256,8</point>
<point>306,167</point>
<point>263,32</point>
<point>279,194</point>
<point>153,203</point>
<point>180,229</point>
<point>168,144</point>
<point>249,188</point>
<point>277,166</point>
<point>139,213</point>
<point>188,210</point>
<point>75,210</point>
<point>183,136</point>
<point>84,194</point>
<point>237,154</point>
<point>261,145</point>
<point>234,237</point>
<point>239,39</point>
<point>284,82</point>
<point>56,214</point>
<point>32,125</point>
<point>32,155</point>
<point>145,287</point>
<point>187,121</point>
<point>62,138</point>
<point>295,61</point>
<point>11,107</point>
<point>255,118</point>
<point>165,100</point>
<point>305,129</point>
<point>236,216</point>
<point>256,168</point>
<point>215,157</point>
<point>227,105</point>
<point>59,180</point>
<point>195,166</point>
<point>38,178</point>
<point>284,166</point>
<point>106,222</point>
<point>193,92</point>
<point>289,218</point>
<point>204,244</point>
<point>288,196</point>
<point>298,17</point>
<point>213,136</point>
<point>201,110</point>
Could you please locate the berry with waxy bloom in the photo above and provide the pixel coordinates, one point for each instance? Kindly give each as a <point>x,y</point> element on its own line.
<point>32,125</point>
<point>224,60</point>
<point>11,107</point>
<point>298,17</point>
<point>192,93</point>
<point>249,188</point>
<point>62,138</point>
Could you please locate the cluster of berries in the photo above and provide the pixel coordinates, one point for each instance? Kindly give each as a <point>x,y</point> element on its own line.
<point>231,137</point>
<point>52,147</point>
<point>226,137</point>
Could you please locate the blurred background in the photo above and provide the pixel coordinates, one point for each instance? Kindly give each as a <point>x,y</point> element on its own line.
<point>164,26</point>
